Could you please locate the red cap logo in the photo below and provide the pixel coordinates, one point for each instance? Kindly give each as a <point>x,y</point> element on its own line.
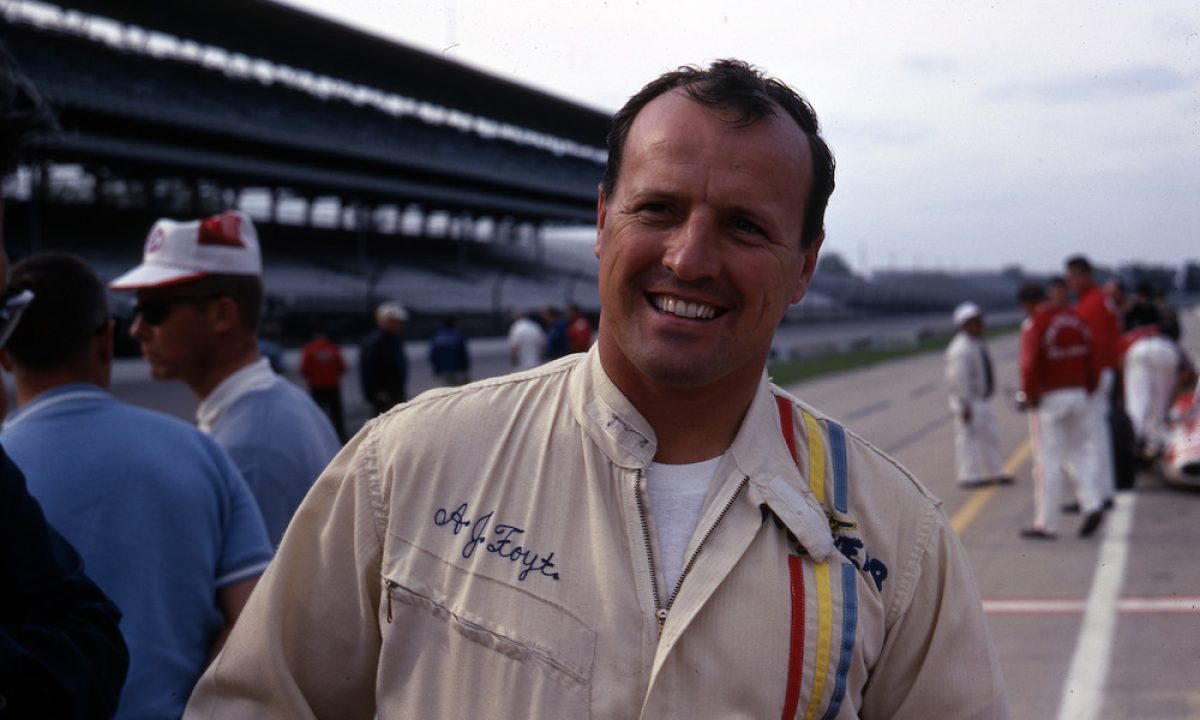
<point>222,230</point>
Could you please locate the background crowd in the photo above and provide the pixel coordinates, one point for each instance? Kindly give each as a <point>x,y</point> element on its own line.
<point>1099,370</point>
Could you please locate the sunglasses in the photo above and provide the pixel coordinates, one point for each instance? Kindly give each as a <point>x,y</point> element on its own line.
<point>155,312</point>
<point>12,306</point>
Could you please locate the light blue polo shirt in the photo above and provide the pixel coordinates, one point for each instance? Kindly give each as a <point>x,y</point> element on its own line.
<point>161,517</point>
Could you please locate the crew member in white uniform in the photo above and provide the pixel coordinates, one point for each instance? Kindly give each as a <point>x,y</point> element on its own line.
<point>1149,366</point>
<point>971,382</point>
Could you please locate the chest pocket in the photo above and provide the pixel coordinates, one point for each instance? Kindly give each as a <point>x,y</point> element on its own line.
<point>493,650</point>
<point>825,599</point>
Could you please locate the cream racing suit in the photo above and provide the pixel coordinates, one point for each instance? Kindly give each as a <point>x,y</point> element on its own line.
<point>486,552</point>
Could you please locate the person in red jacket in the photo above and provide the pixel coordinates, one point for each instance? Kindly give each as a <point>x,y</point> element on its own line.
<point>579,330</point>
<point>1095,308</point>
<point>1057,377</point>
<point>322,366</point>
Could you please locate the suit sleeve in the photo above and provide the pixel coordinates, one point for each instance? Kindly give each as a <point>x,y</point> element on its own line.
<point>307,643</point>
<point>61,650</point>
<point>937,660</point>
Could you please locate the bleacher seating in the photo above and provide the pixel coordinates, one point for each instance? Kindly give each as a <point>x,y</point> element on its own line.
<point>83,74</point>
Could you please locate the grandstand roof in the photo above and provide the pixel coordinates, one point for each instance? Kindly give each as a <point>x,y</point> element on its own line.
<point>260,28</point>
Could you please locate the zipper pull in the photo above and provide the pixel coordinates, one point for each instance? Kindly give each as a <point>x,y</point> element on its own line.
<point>390,585</point>
<point>661,614</point>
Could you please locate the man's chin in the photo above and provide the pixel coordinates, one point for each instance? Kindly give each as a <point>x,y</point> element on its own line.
<point>158,372</point>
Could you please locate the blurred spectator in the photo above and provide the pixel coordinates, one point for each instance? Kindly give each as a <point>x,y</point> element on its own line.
<point>384,364</point>
<point>579,330</point>
<point>1150,362</point>
<point>1095,309</point>
<point>1057,373</point>
<point>270,348</point>
<point>972,383</point>
<point>1167,315</point>
<point>448,354</point>
<point>61,651</point>
<point>322,366</point>
<point>526,342</point>
<point>1059,295</point>
<point>160,514</point>
<point>199,294</point>
<point>556,333</point>
<point>1114,289</point>
<point>1141,309</point>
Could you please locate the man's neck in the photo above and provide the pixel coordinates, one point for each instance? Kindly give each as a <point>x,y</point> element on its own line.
<point>205,383</point>
<point>29,385</point>
<point>691,424</point>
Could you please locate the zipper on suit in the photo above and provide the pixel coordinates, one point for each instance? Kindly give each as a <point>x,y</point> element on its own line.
<point>660,610</point>
<point>660,613</point>
<point>390,585</point>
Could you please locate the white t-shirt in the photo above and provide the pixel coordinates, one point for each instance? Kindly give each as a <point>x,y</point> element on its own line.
<point>677,495</point>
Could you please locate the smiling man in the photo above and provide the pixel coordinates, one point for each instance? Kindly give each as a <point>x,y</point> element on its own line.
<point>649,530</point>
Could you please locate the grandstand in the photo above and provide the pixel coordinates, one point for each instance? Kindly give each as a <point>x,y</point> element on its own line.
<point>179,112</point>
<point>373,170</point>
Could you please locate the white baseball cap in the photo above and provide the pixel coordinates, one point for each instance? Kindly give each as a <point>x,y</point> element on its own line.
<point>391,311</point>
<point>965,312</point>
<point>176,252</point>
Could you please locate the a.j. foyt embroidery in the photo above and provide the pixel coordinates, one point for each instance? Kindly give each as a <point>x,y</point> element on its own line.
<point>503,543</point>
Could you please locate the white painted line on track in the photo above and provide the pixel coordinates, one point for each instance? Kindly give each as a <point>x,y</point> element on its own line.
<point>1071,606</point>
<point>1083,693</point>
<point>1034,606</point>
<point>1184,605</point>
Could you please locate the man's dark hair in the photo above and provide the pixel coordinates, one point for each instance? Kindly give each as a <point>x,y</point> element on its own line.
<point>1031,291</point>
<point>1057,280</point>
<point>246,291</point>
<point>22,112</point>
<point>1079,263</point>
<point>69,309</point>
<point>734,85</point>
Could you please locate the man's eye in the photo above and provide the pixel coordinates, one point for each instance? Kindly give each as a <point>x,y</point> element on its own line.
<point>656,208</point>
<point>744,225</point>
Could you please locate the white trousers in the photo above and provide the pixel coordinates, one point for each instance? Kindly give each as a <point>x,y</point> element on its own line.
<point>1150,366</point>
<point>1099,437</point>
<point>1061,425</point>
<point>977,444</point>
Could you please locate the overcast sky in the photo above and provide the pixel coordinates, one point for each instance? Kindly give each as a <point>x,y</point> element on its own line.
<point>969,135</point>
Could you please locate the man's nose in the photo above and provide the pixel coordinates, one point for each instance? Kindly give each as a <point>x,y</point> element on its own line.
<point>139,327</point>
<point>694,250</point>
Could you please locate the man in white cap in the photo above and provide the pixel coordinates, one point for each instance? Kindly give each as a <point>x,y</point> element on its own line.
<point>384,364</point>
<point>971,382</point>
<point>199,292</point>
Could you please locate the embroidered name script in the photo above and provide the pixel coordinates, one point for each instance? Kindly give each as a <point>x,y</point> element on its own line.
<point>503,544</point>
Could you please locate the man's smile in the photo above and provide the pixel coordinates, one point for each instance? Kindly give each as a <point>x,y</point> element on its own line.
<point>683,308</point>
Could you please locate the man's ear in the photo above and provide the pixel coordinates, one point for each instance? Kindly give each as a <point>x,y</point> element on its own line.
<point>223,315</point>
<point>809,259</point>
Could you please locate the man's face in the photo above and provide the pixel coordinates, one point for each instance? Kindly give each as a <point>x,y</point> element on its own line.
<point>173,329</point>
<point>974,326</point>
<point>1078,280</point>
<point>699,245</point>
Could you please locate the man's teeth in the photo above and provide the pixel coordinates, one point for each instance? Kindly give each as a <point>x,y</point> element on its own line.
<point>681,308</point>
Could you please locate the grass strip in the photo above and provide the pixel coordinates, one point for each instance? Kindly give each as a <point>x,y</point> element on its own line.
<point>787,372</point>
